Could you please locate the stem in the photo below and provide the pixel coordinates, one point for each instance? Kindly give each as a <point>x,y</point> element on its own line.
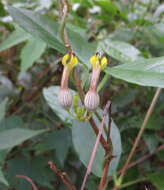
<point>132,182</point>
<point>109,157</point>
<point>64,177</point>
<point>102,83</point>
<point>29,180</point>
<point>62,26</point>
<point>148,114</point>
<point>139,160</point>
<point>95,146</point>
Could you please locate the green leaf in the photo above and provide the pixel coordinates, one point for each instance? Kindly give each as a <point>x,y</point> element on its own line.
<point>11,122</point>
<point>145,72</point>
<point>42,27</point>
<point>119,50</point>
<point>157,180</point>
<point>60,140</point>
<point>31,52</point>
<point>107,6</point>
<point>35,168</point>
<point>16,37</point>
<point>39,26</point>
<point>2,178</point>
<point>84,139</point>
<point>3,108</point>
<point>151,141</point>
<point>81,47</point>
<point>12,137</point>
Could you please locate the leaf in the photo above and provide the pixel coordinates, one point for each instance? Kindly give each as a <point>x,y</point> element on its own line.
<point>11,122</point>
<point>107,6</point>
<point>35,168</point>
<point>31,52</point>
<point>2,178</point>
<point>16,37</point>
<point>119,50</point>
<point>83,136</point>
<point>81,47</point>
<point>151,141</point>
<point>157,180</point>
<point>12,137</point>
<point>39,26</point>
<point>145,72</point>
<point>51,96</point>
<point>3,108</point>
<point>60,140</point>
<point>42,27</point>
<point>84,139</point>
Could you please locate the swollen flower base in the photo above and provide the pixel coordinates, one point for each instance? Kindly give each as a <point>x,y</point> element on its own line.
<point>92,98</point>
<point>64,96</point>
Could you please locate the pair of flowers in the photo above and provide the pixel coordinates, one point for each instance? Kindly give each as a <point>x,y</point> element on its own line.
<point>92,98</point>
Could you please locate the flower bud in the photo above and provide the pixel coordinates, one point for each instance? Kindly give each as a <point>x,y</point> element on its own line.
<point>91,100</point>
<point>65,98</point>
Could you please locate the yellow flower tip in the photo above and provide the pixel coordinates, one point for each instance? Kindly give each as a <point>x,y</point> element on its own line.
<point>104,63</point>
<point>94,60</point>
<point>71,62</point>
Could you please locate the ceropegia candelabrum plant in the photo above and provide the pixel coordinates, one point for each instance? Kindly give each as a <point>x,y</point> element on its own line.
<point>92,99</point>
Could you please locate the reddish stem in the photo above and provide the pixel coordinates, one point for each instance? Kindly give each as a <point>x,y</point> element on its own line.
<point>64,177</point>
<point>29,180</point>
<point>95,146</point>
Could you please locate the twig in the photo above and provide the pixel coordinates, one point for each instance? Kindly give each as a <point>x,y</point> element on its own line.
<point>64,177</point>
<point>108,156</point>
<point>34,92</point>
<point>42,74</point>
<point>95,146</point>
<point>148,114</point>
<point>146,156</point>
<point>139,160</point>
<point>29,180</point>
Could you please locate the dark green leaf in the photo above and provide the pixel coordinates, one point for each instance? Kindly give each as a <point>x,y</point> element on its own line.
<point>38,25</point>
<point>31,52</point>
<point>12,137</point>
<point>157,180</point>
<point>119,50</point>
<point>3,108</point>
<point>2,178</point>
<point>60,140</point>
<point>14,38</point>
<point>145,72</point>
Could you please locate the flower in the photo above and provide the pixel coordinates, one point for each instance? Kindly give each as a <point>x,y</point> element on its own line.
<point>69,61</point>
<point>92,98</point>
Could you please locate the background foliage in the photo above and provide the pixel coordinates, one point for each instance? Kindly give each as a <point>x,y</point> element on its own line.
<point>33,127</point>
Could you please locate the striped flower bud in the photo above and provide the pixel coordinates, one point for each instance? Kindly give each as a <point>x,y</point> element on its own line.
<point>64,96</point>
<point>92,98</point>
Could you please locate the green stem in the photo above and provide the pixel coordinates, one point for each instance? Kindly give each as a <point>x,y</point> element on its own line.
<point>62,25</point>
<point>132,182</point>
<point>103,81</point>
